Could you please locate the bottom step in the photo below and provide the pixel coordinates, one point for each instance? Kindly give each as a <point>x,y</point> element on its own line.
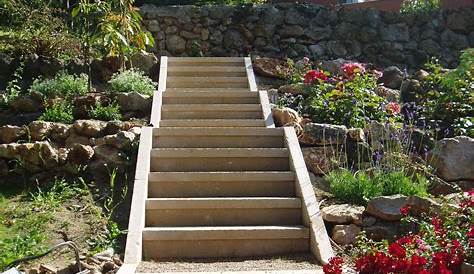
<point>231,241</point>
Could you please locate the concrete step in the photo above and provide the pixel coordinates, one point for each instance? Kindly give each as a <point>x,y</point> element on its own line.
<point>207,82</point>
<point>221,184</point>
<point>207,71</point>
<point>240,123</point>
<point>210,97</point>
<point>219,159</point>
<point>218,137</point>
<point>211,111</point>
<point>205,61</point>
<point>210,89</point>
<point>223,211</point>
<point>234,241</point>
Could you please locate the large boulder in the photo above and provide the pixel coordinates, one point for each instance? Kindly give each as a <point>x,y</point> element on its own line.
<point>345,234</point>
<point>387,208</point>
<point>343,214</point>
<point>134,101</point>
<point>321,160</point>
<point>89,128</point>
<point>323,134</point>
<point>144,61</point>
<point>121,140</point>
<point>419,205</point>
<point>10,134</point>
<point>392,77</point>
<point>269,67</point>
<point>285,116</point>
<point>453,158</point>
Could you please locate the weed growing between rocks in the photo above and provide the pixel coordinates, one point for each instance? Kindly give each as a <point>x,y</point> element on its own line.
<point>105,113</point>
<point>59,111</point>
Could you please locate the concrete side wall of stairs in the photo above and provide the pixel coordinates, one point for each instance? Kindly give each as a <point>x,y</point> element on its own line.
<point>215,178</point>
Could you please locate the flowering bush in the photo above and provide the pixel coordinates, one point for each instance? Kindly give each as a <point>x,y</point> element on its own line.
<point>348,99</point>
<point>439,245</point>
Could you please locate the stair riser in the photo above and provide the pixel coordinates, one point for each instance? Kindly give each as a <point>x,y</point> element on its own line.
<point>220,164</point>
<point>220,189</point>
<point>211,123</point>
<point>210,100</point>
<point>218,141</point>
<point>211,115</point>
<point>222,248</point>
<point>222,217</point>
<point>195,72</point>
<point>208,84</point>
<point>172,64</point>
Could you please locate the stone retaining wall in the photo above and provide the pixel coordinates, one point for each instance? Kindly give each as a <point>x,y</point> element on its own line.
<point>298,30</point>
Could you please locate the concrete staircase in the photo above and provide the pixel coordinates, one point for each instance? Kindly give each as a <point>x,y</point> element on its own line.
<point>215,178</point>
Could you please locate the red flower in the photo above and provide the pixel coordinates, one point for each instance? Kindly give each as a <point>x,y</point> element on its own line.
<point>405,210</point>
<point>334,266</point>
<point>314,75</point>
<point>350,69</point>
<point>393,108</point>
<point>397,250</point>
<point>470,234</point>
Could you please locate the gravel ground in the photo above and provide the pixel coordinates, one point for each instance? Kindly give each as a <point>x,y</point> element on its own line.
<point>291,262</point>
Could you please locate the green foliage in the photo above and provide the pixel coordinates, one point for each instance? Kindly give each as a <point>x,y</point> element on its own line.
<point>447,107</point>
<point>360,187</point>
<point>201,2</point>
<point>105,113</point>
<point>62,85</point>
<point>351,103</point>
<point>13,89</point>
<point>60,112</point>
<point>414,6</point>
<point>132,80</point>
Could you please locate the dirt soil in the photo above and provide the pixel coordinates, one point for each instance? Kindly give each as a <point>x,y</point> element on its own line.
<point>288,262</point>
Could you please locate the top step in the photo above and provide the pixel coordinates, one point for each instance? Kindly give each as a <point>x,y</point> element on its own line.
<point>206,61</point>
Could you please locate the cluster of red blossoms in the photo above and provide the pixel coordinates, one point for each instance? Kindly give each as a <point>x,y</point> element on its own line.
<point>314,75</point>
<point>351,69</point>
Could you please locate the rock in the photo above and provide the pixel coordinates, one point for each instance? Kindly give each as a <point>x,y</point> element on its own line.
<point>368,221</point>
<point>395,32</point>
<point>409,90</point>
<point>291,31</point>
<point>113,127</point>
<point>419,205</point>
<point>454,40</point>
<point>356,134</point>
<point>387,207</point>
<point>345,234</point>
<point>269,67</point>
<point>110,156</point>
<point>319,182</point>
<point>392,77</point>
<point>89,128</point>
<point>175,44</point>
<point>321,160</point>
<point>134,101</point>
<point>285,116</point>
<point>380,232</point>
<point>25,103</point>
<point>108,266</point>
<point>453,157</point>
<point>76,139</point>
<point>144,61</point>
<point>333,66</point>
<point>39,130</point>
<point>380,134</point>
<point>233,40</point>
<point>82,104</point>
<point>323,134</point>
<point>392,95</point>
<point>59,132</point>
<point>3,167</point>
<point>9,134</point>
<point>136,130</point>
<point>34,156</point>
<point>342,214</point>
<point>122,140</point>
<point>80,154</point>
<point>295,89</point>
<point>421,75</point>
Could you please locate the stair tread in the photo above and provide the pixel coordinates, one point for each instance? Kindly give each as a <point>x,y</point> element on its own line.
<point>223,202</point>
<point>206,79</point>
<point>207,69</point>
<point>206,59</point>
<point>213,123</point>
<point>218,152</point>
<point>210,89</point>
<point>211,107</point>
<point>205,94</point>
<point>225,232</point>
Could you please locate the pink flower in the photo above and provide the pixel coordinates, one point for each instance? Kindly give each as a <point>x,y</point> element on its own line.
<point>405,210</point>
<point>314,75</point>
<point>351,69</point>
<point>393,108</point>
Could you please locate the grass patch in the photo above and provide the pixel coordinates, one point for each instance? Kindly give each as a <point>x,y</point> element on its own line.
<point>360,187</point>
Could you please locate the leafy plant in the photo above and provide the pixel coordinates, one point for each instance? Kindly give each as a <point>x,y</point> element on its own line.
<point>59,111</point>
<point>360,187</point>
<point>414,6</point>
<point>13,89</point>
<point>105,113</point>
<point>62,85</point>
<point>132,80</point>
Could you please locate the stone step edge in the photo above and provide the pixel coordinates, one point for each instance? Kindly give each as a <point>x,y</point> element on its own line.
<point>219,153</point>
<point>221,203</point>
<point>224,176</point>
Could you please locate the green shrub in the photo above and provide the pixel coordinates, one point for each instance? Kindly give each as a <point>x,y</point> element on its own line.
<point>360,187</point>
<point>62,85</point>
<point>105,113</point>
<point>58,112</point>
<point>413,6</point>
<point>132,80</point>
